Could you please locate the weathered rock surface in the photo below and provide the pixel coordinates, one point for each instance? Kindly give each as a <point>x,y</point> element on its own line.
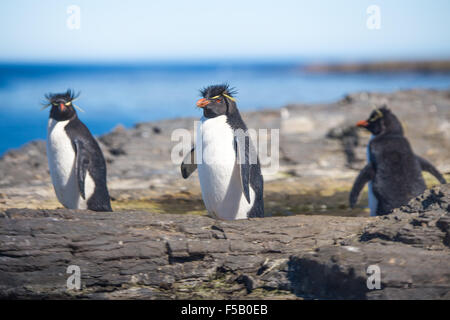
<point>411,247</point>
<point>160,256</point>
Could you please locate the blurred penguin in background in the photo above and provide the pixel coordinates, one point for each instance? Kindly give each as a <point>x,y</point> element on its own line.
<point>393,171</point>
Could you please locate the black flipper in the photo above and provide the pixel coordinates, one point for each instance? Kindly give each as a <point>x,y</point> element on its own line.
<point>427,166</point>
<point>242,145</point>
<point>366,174</point>
<point>189,164</point>
<point>81,165</point>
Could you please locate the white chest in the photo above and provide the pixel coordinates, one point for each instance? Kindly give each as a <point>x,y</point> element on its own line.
<point>217,140</point>
<point>60,153</point>
<point>218,171</point>
<point>61,161</point>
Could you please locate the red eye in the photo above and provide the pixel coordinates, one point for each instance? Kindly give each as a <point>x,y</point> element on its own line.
<point>219,100</point>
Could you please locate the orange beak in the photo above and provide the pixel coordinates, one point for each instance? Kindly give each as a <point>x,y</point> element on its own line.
<point>202,103</point>
<point>62,107</point>
<point>362,123</point>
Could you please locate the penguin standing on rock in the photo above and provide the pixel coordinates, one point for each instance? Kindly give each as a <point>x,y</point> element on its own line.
<point>76,163</point>
<point>228,166</point>
<point>393,171</point>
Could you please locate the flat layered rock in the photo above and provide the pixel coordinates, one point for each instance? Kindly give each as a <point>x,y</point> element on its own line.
<point>159,256</point>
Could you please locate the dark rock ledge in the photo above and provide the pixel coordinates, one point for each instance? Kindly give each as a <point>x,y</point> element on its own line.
<point>162,256</point>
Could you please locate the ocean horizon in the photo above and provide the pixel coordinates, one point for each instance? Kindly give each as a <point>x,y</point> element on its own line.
<point>127,94</point>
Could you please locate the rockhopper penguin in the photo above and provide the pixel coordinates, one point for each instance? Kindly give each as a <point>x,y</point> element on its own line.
<point>228,166</point>
<point>76,163</point>
<point>393,171</point>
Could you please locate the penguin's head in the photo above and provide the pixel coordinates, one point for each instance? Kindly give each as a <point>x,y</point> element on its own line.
<point>382,120</point>
<point>217,100</point>
<point>61,105</point>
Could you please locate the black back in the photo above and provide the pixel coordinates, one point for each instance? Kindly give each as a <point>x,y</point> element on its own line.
<point>76,130</point>
<point>236,122</point>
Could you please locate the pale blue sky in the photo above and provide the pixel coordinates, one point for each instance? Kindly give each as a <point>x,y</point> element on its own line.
<point>234,29</point>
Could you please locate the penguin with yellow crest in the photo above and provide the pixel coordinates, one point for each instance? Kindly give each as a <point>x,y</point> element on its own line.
<point>393,171</point>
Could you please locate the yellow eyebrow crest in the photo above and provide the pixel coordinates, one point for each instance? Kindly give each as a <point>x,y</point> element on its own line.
<point>225,95</point>
<point>378,115</point>
<point>229,97</point>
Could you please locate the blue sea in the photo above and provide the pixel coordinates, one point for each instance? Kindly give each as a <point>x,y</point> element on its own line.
<point>127,94</point>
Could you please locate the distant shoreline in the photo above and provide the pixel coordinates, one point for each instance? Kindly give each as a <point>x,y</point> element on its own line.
<point>396,66</point>
<point>432,66</point>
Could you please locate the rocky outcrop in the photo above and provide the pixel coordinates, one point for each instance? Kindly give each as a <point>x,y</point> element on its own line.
<point>161,256</point>
<point>410,247</point>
